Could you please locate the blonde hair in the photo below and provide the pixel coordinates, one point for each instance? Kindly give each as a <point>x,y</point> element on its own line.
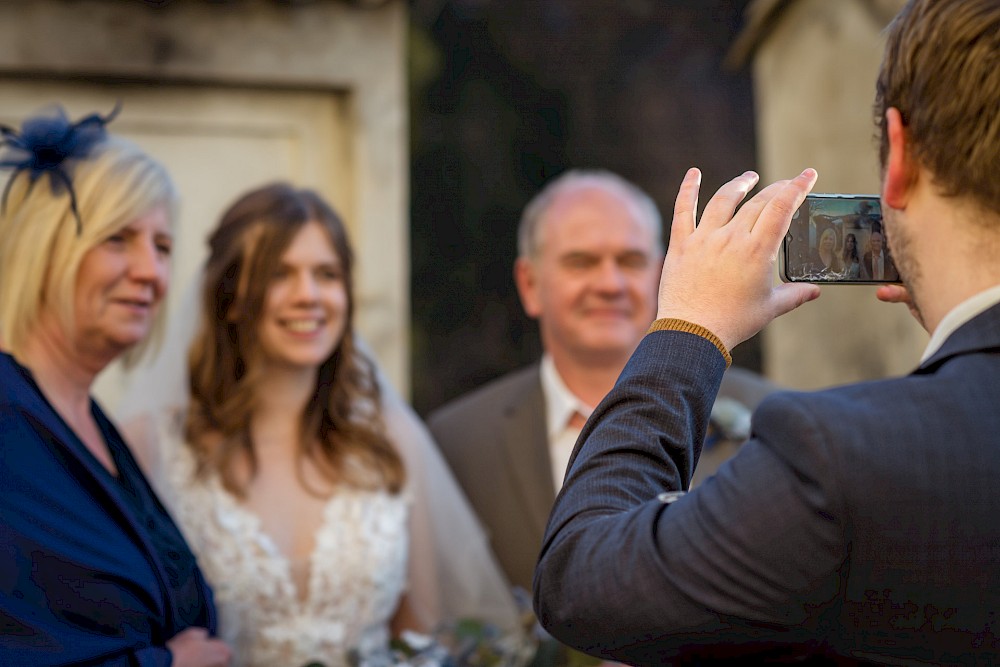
<point>40,247</point>
<point>342,430</point>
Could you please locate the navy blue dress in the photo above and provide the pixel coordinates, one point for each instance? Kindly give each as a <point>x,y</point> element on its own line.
<point>93,571</point>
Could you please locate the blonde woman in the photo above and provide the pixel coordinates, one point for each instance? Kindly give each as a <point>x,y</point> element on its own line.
<point>94,571</point>
<point>825,259</point>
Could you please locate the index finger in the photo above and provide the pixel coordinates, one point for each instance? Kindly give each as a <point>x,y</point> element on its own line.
<point>720,208</point>
<point>773,221</point>
<point>686,206</point>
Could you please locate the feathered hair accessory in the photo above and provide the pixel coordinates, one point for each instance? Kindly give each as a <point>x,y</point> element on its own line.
<point>48,144</point>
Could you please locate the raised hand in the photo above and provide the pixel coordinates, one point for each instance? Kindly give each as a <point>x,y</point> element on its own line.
<point>719,272</point>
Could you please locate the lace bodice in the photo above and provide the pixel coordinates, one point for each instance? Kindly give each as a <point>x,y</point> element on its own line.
<point>357,570</point>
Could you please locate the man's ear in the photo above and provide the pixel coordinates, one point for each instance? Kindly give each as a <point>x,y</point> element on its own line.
<point>900,171</point>
<point>526,279</point>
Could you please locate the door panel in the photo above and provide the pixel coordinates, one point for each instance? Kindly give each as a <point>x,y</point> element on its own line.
<point>216,143</point>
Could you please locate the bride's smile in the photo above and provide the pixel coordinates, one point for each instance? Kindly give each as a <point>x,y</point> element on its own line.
<point>305,310</point>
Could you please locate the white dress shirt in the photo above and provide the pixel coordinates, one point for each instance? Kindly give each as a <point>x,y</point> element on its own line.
<point>560,406</point>
<point>878,266</point>
<point>958,316</point>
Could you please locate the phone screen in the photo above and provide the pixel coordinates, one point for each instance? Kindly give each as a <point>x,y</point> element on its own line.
<point>837,239</point>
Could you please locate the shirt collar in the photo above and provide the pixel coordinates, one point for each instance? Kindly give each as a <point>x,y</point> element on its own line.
<point>958,316</point>
<point>560,402</point>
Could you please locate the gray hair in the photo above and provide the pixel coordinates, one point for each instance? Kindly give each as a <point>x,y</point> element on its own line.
<point>577,179</point>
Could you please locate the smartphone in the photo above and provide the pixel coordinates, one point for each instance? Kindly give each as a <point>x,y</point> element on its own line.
<point>837,239</point>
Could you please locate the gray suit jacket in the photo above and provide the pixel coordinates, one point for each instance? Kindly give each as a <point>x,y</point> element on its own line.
<point>889,268</point>
<point>858,523</point>
<point>495,442</point>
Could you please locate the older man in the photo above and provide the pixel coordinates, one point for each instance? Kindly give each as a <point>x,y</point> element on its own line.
<point>876,264</point>
<point>590,253</point>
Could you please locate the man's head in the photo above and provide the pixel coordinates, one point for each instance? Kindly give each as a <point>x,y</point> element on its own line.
<point>941,70</point>
<point>875,243</point>
<point>938,92</point>
<point>590,249</point>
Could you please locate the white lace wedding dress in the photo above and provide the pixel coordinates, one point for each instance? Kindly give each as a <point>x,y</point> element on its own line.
<point>357,570</point>
<point>369,549</point>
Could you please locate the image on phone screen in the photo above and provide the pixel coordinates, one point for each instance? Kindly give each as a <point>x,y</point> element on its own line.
<point>837,239</point>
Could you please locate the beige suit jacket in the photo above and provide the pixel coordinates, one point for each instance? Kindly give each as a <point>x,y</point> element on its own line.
<point>494,440</point>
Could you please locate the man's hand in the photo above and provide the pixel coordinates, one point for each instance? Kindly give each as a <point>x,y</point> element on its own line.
<point>194,648</point>
<point>719,272</point>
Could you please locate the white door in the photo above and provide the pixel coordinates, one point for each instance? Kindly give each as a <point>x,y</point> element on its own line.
<point>216,143</point>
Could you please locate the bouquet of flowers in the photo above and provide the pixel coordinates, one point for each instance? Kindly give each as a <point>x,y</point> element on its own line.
<point>473,643</point>
<point>463,643</point>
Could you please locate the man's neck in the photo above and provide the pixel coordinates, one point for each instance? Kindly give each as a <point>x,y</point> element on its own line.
<point>946,297</point>
<point>589,380</point>
<point>958,255</point>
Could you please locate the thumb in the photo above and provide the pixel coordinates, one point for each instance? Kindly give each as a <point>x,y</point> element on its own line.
<point>789,296</point>
<point>892,294</point>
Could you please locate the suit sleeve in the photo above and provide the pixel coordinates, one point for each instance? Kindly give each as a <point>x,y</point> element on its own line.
<point>747,559</point>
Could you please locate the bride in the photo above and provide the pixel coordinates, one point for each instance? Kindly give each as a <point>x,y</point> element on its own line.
<point>316,504</point>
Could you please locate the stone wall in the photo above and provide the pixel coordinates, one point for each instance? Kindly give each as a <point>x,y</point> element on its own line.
<point>814,82</point>
<point>343,56</point>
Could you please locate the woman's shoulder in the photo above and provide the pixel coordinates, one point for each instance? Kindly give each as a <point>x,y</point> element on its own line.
<point>14,382</point>
<point>159,443</point>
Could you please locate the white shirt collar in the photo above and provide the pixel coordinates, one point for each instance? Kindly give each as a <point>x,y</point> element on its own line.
<point>560,402</point>
<point>958,316</point>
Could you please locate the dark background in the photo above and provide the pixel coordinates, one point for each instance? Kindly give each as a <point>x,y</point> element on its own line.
<point>507,94</point>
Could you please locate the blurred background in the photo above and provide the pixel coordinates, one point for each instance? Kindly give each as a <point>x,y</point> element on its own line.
<point>430,123</point>
<point>507,94</point>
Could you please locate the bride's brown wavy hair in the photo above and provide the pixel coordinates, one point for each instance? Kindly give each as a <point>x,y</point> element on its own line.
<point>342,423</point>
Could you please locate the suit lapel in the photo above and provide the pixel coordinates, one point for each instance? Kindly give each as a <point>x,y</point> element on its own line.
<point>526,451</point>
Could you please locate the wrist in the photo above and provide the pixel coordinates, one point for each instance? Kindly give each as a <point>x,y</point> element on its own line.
<point>676,324</point>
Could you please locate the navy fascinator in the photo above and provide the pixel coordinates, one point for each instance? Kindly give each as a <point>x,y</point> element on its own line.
<point>48,144</point>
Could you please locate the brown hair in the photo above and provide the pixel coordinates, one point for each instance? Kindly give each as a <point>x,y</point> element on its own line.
<point>941,69</point>
<point>342,424</point>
